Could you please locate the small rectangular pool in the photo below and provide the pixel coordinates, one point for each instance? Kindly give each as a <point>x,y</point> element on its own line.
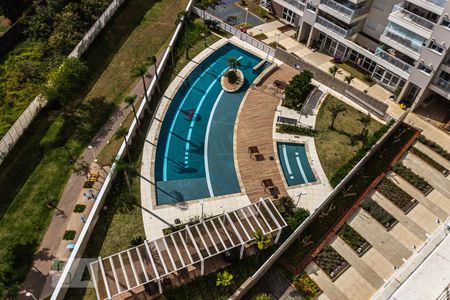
<point>295,164</point>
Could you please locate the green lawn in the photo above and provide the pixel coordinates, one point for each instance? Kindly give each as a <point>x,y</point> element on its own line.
<point>23,211</point>
<point>334,146</point>
<point>357,72</point>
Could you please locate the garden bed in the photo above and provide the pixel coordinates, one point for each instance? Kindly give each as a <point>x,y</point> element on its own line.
<point>378,213</point>
<point>417,181</point>
<point>331,262</point>
<point>430,161</point>
<point>291,129</point>
<point>435,147</point>
<point>306,286</point>
<point>354,239</point>
<point>399,197</point>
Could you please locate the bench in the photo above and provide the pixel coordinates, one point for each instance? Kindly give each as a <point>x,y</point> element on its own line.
<point>259,65</point>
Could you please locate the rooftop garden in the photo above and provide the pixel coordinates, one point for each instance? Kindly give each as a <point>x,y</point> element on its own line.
<point>417,181</point>
<point>331,262</point>
<point>344,136</point>
<point>398,196</point>
<point>353,239</point>
<point>378,213</point>
<point>440,168</point>
<point>435,147</point>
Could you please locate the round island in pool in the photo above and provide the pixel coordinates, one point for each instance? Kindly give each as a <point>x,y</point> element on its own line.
<point>194,154</point>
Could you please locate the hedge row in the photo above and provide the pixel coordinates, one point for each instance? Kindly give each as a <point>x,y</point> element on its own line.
<point>430,161</point>
<point>292,129</point>
<point>437,148</point>
<point>414,179</point>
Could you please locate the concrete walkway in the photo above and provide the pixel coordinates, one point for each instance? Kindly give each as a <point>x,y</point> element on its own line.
<point>432,154</point>
<point>325,283</point>
<point>393,250</point>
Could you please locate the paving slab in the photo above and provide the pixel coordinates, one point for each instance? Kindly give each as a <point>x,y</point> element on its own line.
<point>424,218</point>
<point>397,213</point>
<point>406,237</point>
<point>432,154</point>
<point>385,243</point>
<point>378,263</point>
<point>440,200</point>
<point>324,282</point>
<point>357,263</point>
<point>354,286</point>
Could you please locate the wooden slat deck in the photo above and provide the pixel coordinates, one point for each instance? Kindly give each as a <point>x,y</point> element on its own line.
<point>254,128</point>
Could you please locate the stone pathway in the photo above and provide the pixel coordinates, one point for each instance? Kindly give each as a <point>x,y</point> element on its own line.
<point>325,283</point>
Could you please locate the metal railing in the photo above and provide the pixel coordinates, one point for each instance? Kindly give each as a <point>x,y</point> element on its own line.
<point>410,16</point>
<point>340,8</point>
<point>393,60</point>
<point>335,28</point>
<point>443,84</point>
<point>296,3</point>
<point>445,295</point>
<point>236,32</point>
<point>402,39</point>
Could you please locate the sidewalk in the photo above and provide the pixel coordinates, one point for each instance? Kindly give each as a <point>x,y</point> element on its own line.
<point>52,246</point>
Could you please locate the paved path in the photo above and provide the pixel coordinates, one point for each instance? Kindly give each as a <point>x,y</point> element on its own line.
<point>379,238</point>
<point>432,154</point>
<point>37,281</point>
<point>255,128</point>
<point>325,283</point>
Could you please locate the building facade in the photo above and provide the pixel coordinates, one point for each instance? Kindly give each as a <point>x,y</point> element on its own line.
<point>403,45</point>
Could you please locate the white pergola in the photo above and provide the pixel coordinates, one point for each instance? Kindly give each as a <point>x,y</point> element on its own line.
<point>185,250</point>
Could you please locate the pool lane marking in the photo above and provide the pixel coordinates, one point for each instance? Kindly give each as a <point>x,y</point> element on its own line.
<point>286,161</point>
<point>208,127</point>
<point>166,151</point>
<point>299,163</point>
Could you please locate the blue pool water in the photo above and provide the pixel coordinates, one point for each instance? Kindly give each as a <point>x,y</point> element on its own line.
<point>194,154</point>
<point>295,164</point>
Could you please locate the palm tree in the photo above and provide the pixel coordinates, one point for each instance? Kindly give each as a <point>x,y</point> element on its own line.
<point>334,70</point>
<point>365,120</point>
<point>152,60</point>
<point>260,240</point>
<point>129,100</point>
<point>183,16</point>
<point>126,168</point>
<point>120,133</point>
<point>139,71</point>
<point>224,279</point>
<point>349,78</point>
<point>82,168</point>
<point>233,63</point>
<point>335,110</point>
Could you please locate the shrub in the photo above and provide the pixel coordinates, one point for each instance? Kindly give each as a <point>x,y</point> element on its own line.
<point>291,129</point>
<point>299,216</point>
<point>285,206</point>
<point>232,77</point>
<point>353,238</point>
<point>298,89</point>
<point>330,261</point>
<point>306,286</point>
<point>55,136</point>
<point>414,179</point>
<point>430,161</point>
<point>69,235</point>
<point>398,196</point>
<point>79,208</point>
<point>378,213</point>
<point>437,148</point>
<point>263,296</point>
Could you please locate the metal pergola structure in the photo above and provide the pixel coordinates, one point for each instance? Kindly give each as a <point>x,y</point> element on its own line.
<point>183,252</point>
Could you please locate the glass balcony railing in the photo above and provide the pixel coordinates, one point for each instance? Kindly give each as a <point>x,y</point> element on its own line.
<point>442,83</point>
<point>340,8</point>
<point>393,60</point>
<point>335,28</point>
<point>296,3</point>
<point>440,3</point>
<point>412,17</point>
<point>403,39</point>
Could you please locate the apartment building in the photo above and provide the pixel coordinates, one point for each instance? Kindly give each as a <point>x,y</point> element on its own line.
<point>403,45</point>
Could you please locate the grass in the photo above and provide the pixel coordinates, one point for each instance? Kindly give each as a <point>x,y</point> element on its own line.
<point>334,147</point>
<point>357,72</point>
<point>254,8</point>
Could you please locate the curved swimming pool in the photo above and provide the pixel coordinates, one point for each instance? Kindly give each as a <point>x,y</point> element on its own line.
<point>194,154</point>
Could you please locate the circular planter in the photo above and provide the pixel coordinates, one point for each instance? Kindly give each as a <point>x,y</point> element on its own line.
<point>232,87</point>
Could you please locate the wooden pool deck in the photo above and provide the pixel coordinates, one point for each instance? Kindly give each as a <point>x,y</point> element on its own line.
<point>255,127</point>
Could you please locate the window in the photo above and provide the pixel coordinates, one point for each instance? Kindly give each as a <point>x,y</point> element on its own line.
<point>444,75</point>
<point>446,22</point>
<point>424,68</point>
<point>288,15</point>
<point>435,47</point>
<point>311,7</point>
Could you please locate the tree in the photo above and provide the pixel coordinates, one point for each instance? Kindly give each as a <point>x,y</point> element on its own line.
<point>82,168</point>
<point>232,20</point>
<point>334,70</point>
<point>126,168</point>
<point>286,206</point>
<point>129,100</point>
<point>65,80</point>
<point>335,110</point>
<point>152,60</point>
<point>297,218</point>
<point>260,240</point>
<point>13,9</point>
<point>298,89</point>
<point>139,71</point>
<point>184,18</point>
<point>365,120</point>
<point>136,241</point>
<point>224,279</point>
<point>233,63</point>
<point>120,133</point>
<point>349,78</point>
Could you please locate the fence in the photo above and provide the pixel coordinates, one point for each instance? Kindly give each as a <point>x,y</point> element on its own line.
<point>72,263</point>
<point>251,281</point>
<point>21,124</point>
<point>236,32</point>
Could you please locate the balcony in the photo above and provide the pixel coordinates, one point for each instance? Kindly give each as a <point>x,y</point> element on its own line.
<point>295,3</point>
<point>393,60</point>
<point>443,84</point>
<point>412,18</point>
<point>345,10</point>
<point>409,41</point>
<point>440,3</point>
<point>335,28</point>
